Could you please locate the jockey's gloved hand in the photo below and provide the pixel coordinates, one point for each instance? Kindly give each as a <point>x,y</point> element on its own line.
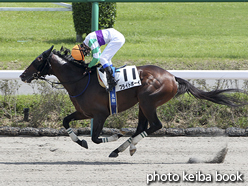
<point>86,50</point>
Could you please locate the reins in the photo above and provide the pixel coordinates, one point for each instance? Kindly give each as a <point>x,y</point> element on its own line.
<point>84,88</point>
<point>61,83</point>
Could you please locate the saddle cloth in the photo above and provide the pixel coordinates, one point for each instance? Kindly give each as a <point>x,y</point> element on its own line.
<point>127,77</point>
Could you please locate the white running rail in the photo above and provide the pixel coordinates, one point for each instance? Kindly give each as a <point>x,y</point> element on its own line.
<point>186,74</point>
<point>68,7</point>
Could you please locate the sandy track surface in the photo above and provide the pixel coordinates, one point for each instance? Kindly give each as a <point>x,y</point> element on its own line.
<point>43,161</point>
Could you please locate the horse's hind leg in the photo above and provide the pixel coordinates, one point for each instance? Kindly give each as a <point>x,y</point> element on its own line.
<point>142,126</point>
<point>74,116</point>
<point>142,123</point>
<point>155,125</point>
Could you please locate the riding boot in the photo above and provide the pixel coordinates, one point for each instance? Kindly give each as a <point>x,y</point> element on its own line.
<point>110,78</point>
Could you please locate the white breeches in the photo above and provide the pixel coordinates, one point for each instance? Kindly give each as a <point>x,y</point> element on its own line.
<point>112,47</point>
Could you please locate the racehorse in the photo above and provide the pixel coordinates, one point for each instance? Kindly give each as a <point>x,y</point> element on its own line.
<point>91,100</point>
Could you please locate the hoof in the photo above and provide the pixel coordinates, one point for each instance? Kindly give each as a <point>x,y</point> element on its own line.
<point>83,143</point>
<point>132,149</point>
<point>113,155</point>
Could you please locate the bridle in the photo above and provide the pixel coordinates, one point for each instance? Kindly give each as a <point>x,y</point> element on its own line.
<point>40,74</point>
<point>43,71</point>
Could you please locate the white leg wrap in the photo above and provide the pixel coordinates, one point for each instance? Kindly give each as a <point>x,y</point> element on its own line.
<point>125,145</point>
<point>109,139</point>
<point>132,147</point>
<point>136,139</point>
<point>72,135</point>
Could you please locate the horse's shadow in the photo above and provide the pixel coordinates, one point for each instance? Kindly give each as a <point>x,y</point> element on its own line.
<point>85,163</point>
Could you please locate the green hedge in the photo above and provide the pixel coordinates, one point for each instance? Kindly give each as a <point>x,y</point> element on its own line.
<point>82,16</point>
<point>49,106</point>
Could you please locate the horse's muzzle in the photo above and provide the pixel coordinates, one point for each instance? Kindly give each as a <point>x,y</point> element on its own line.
<point>26,78</point>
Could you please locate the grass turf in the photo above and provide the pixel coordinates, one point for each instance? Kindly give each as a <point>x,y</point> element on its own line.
<point>171,35</point>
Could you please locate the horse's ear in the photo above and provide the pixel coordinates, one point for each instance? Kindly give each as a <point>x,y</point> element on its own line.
<point>47,52</point>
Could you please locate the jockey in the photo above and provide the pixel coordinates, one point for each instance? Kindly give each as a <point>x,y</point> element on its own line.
<point>94,41</point>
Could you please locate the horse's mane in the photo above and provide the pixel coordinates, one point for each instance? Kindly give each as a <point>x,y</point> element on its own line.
<point>65,54</point>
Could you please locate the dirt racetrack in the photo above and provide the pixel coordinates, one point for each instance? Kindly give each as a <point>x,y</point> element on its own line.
<point>57,161</point>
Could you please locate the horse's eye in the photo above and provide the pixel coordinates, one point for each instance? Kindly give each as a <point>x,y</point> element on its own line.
<point>39,58</point>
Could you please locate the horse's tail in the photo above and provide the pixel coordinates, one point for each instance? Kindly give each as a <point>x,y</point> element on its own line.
<point>215,96</point>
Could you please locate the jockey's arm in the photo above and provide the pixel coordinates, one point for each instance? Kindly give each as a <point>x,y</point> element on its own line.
<point>96,52</point>
<point>93,62</point>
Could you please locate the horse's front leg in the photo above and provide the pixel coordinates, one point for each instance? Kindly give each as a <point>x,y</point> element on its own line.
<point>74,116</point>
<point>98,123</point>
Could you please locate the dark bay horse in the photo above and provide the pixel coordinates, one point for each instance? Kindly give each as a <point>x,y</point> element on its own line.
<point>92,101</point>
